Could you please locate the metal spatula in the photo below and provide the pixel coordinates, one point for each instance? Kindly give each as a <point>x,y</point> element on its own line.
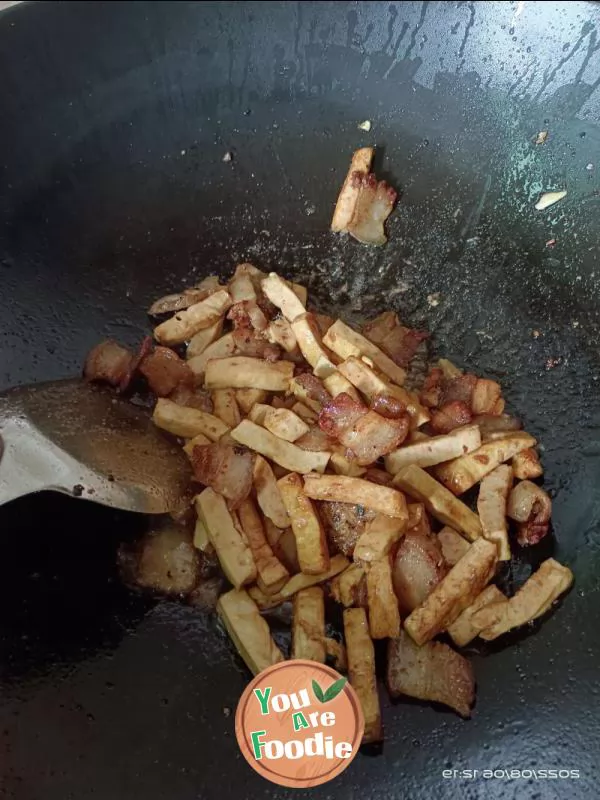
<point>83,440</point>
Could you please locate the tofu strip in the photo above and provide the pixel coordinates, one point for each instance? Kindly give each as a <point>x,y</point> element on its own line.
<point>283,296</point>
<point>221,348</point>
<point>532,600</point>
<point>434,450</point>
<point>285,424</point>
<point>344,466</point>
<point>384,615</point>
<point>380,535</point>
<point>361,670</point>
<point>308,625</point>
<point>247,398</point>
<point>346,586</point>
<point>370,384</point>
<point>453,545</point>
<point>464,472</point>
<point>184,324</point>
<point>439,501</point>
<point>242,372</point>
<point>225,407</point>
<point>296,583</point>
<point>201,340</point>
<point>234,554</point>
<point>342,489</point>
<point>463,630</point>
<point>309,341</point>
<point>248,630</point>
<point>288,455</point>
<point>270,570</point>
<point>335,383</point>
<point>268,494</point>
<point>454,593</point>
<point>187,422</point>
<point>311,542</point>
<point>491,506</point>
<point>345,342</point>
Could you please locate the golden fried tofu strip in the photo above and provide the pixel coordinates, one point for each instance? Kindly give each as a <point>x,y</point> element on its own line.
<point>439,501</point>
<point>346,342</point>
<point>311,542</point>
<point>187,422</point>
<point>270,570</point>
<point>435,450</point>
<point>288,455</point>
<point>184,324</point>
<point>384,615</point>
<point>464,472</point>
<point>234,554</point>
<point>463,630</point>
<point>248,630</point>
<point>532,600</point>
<point>242,372</point>
<point>361,670</point>
<point>342,489</point>
<point>297,582</point>
<point>308,625</point>
<point>454,593</point>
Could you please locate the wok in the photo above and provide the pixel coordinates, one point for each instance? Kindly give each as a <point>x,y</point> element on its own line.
<point>115,121</point>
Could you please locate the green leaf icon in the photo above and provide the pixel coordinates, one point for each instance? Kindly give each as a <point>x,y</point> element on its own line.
<point>335,689</point>
<point>318,692</point>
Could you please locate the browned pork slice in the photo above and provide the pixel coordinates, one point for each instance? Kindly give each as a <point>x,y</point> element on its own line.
<point>388,406</point>
<point>193,398</point>
<point>402,343</point>
<point>249,324</point>
<point>530,506</point>
<point>431,393</point>
<point>373,436</point>
<point>314,387</point>
<point>374,205</point>
<point>340,413</point>
<point>206,594</point>
<point>108,362</point>
<point>453,545</point>
<point>417,569</point>
<point>458,389</point>
<point>316,440</point>
<point>144,349</point>
<point>377,329</point>
<point>165,371</point>
<point>378,476</point>
<point>431,672</point>
<point>365,434</point>
<point>450,416</point>
<point>344,523</point>
<point>226,468</point>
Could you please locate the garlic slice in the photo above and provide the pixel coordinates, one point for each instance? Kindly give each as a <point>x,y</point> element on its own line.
<point>548,199</point>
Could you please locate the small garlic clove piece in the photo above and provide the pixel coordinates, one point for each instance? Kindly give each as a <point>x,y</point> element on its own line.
<point>548,199</point>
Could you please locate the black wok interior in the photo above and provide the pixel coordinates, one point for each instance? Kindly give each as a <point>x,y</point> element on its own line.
<point>115,118</point>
